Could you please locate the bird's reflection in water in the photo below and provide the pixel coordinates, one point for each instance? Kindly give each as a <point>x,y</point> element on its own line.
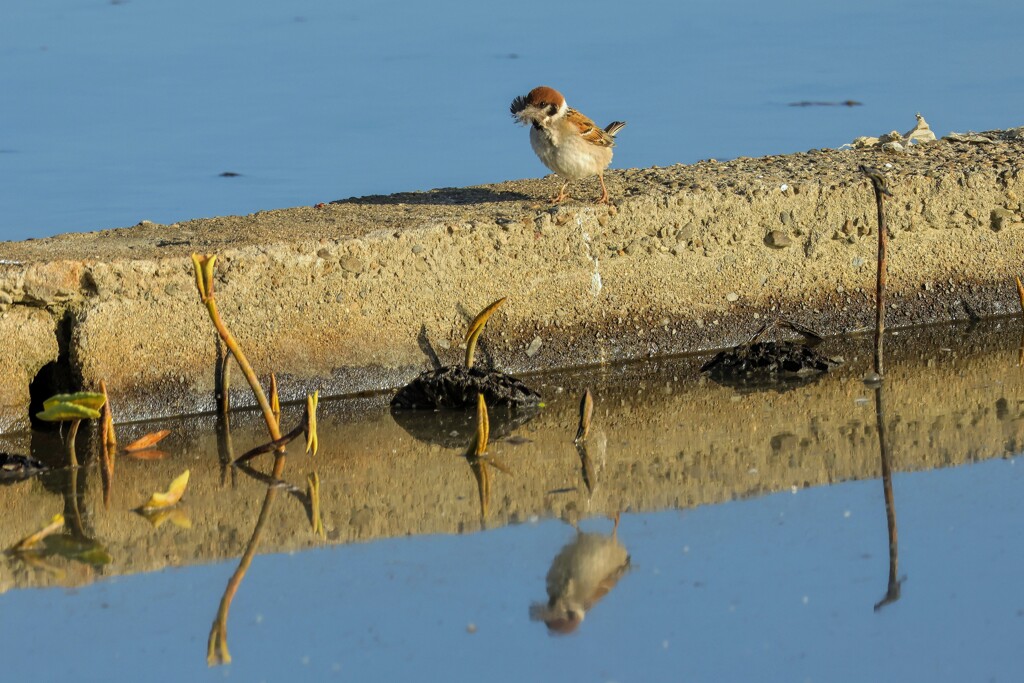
<point>582,573</point>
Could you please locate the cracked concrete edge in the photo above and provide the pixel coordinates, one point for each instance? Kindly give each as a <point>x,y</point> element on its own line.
<point>31,343</point>
<point>346,297</point>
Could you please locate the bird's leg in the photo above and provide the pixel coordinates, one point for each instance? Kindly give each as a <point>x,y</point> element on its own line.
<point>615,529</point>
<point>562,196</point>
<point>604,190</point>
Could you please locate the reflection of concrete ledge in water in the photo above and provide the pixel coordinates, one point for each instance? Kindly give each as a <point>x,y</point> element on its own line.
<point>662,439</point>
<point>335,297</point>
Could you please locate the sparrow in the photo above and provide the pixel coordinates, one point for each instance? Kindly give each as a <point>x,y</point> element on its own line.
<point>582,573</point>
<point>566,141</point>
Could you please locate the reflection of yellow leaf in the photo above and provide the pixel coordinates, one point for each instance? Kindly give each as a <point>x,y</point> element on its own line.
<point>483,426</point>
<point>175,516</point>
<point>87,550</point>
<point>312,441</point>
<point>42,563</point>
<point>586,414</point>
<point>171,497</point>
<point>148,441</point>
<point>313,491</point>
<point>30,542</point>
<point>148,454</point>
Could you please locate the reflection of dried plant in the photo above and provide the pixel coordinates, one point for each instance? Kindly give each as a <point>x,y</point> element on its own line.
<point>476,327</point>
<point>48,541</point>
<point>586,413</point>
<point>148,441</point>
<point>587,466</point>
<point>312,440</point>
<point>175,515</point>
<point>217,644</point>
<point>478,459</point>
<point>892,593</point>
<point>175,491</point>
<point>204,267</point>
<point>306,426</point>
<point>483,427</point>
<point>315,513</point>
<point>477,448</point>
<point>32,541</point>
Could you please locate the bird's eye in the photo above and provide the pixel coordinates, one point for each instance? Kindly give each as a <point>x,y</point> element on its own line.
<point>552,109</point>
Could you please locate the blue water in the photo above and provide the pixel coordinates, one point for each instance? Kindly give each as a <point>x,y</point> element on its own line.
<point>779,588</point>
<point>115,112</point>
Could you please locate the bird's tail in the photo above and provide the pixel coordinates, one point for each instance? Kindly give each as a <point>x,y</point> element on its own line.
<point>614,127</point>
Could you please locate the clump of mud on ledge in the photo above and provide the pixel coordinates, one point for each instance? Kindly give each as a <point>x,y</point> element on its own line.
<point>778,365</point>
<point>457,387</point>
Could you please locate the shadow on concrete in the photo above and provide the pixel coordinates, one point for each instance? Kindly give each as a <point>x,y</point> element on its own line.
<point>445,195</point>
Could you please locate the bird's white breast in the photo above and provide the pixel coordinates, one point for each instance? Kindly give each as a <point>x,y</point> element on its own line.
<point>562,150</point>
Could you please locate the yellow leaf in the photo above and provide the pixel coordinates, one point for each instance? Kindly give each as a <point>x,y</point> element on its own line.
<point>148,441</point>
<point>204,268</point>
<point>476,327</point>
<point>171,497</point>
<point>275,400</point>
<point>61,412</point>
<point>481,319</point>
<point>86,399</point>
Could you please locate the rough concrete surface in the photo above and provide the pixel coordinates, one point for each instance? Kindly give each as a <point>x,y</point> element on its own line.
<point>662,438</point>
<point>345,296</point>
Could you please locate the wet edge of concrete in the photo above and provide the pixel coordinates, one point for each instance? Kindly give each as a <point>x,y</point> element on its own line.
<point>662,439</point>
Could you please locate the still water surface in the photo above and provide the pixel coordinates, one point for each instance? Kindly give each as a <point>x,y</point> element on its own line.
<point>775,589</point>
<point>756,523</point>
<point>115,112</point>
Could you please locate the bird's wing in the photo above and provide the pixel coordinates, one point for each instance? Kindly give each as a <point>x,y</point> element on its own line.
<point>588,130</point>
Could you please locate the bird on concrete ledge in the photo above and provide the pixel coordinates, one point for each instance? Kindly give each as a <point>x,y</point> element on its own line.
<point>566,141</point>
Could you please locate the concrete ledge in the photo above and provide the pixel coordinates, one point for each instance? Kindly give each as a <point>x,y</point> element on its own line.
<point>30,344</point>
<point>343,296</point>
